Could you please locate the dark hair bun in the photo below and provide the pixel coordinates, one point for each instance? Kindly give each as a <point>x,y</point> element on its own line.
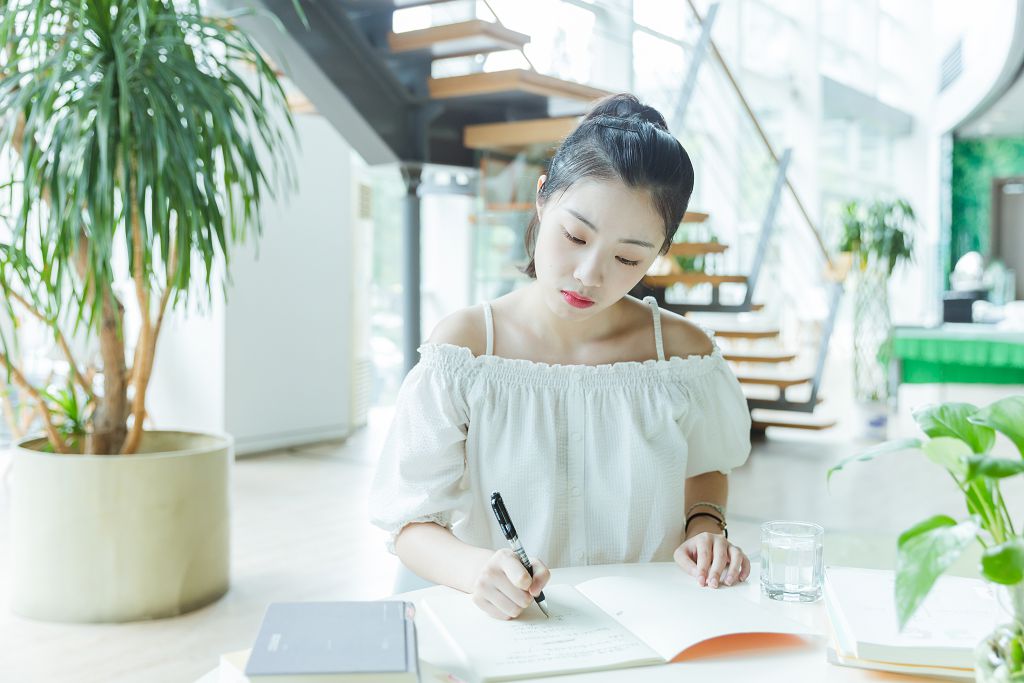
<point>627,106</point>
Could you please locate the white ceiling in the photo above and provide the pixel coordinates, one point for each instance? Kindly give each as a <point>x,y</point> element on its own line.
<point>1005,118</point>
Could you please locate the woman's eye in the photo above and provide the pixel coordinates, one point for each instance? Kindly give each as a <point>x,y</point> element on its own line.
<point>627,261</point>
<point>572,239</point>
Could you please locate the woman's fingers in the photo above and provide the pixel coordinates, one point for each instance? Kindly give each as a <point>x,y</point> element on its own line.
<point>496,604</point>
<point>541,576</point>
<point>712,560</point>
<point>719,558</point>
<point>703,543</point>
<point>745,571</point>
<point>736,557</point>
<point>683,559</point>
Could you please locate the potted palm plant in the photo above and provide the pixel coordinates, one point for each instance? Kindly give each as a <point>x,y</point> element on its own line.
<point>876,237</point>
<point>141,138</point>
<point>961,438</point>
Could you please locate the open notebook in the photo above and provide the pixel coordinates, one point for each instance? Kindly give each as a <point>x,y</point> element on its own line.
<point>606,623</point>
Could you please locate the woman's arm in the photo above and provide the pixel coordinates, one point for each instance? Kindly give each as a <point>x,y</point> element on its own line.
<point>705,552</point>
<point>499,583</point>
<point>434,553</point>
<point>710,487</point>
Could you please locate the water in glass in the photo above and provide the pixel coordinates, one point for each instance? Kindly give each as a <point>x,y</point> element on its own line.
<point>791,561</point>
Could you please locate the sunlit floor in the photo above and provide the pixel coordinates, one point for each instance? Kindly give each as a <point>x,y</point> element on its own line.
<point>300,533</point>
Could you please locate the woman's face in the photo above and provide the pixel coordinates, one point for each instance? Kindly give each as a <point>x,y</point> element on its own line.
<point>594,243</point>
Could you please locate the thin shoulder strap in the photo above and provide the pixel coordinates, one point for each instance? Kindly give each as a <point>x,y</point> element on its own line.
<point>656,312</point>
<point>489,324</point>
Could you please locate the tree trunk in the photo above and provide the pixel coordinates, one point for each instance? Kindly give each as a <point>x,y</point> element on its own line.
<point>110,421</point>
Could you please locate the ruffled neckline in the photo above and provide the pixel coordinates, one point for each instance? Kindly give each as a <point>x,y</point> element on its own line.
<point>521,370</point>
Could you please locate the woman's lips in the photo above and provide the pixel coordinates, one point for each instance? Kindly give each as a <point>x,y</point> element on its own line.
<point>576,301</point>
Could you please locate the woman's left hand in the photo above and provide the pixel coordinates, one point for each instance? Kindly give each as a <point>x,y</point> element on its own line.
<point>712,559</point>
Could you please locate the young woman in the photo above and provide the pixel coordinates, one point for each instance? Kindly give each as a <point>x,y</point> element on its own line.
<point>608,425</point>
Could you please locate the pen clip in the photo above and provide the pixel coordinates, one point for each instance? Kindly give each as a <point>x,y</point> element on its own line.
<point>504,521</point>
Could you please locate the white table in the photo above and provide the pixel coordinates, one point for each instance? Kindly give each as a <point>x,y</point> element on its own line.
<point>800,659</point>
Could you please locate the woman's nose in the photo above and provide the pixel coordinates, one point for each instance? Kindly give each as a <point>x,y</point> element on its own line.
<point>588,271</point>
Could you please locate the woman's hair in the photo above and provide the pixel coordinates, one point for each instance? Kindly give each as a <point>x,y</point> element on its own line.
<point>621,139</point>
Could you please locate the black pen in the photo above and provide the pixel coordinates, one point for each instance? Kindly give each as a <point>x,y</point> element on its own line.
<point>509,529</point>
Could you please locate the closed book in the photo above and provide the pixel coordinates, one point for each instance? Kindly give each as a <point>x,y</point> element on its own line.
<point>941,636</point>
<point>335,642</point>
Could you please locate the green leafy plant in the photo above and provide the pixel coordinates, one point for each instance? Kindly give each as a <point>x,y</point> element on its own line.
<point>142,133</point>
<point>960,440</point>
<point>880,230</point>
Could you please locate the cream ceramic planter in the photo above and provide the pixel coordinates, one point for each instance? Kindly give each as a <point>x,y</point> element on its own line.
<point>121,538</point>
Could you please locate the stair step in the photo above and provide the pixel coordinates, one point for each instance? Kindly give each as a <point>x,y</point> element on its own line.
<point>762,419</point>
<point>780,381</point>
<point>798,394</point>
<point>300,104</point>
<point>755,357</point>
<point>380,5</point>
<point>515,135</point>
<point>458,40</point>
<point>742,332</point>
<point>696,248</point>
<point>692,279</point>
<point>512,80</point>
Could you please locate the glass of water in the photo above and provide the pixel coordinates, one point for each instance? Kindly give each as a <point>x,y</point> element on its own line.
<point>791,560</point>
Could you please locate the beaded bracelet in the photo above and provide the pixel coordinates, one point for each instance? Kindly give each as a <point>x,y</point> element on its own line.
<point>714,506</point>
<point>721,522</point>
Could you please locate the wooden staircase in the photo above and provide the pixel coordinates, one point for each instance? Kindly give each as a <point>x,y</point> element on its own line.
<point>452,120</point>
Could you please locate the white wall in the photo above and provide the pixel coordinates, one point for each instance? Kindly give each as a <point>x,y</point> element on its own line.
<point>272,365</point>
<point>287,333</point>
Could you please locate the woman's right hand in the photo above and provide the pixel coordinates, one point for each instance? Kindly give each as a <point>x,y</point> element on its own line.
<point>503,588</point>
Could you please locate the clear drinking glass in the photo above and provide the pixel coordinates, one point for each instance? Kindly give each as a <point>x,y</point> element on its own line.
<point>791,560</point>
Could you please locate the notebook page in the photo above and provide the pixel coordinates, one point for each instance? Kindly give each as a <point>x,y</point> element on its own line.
<point>577,637</point>
<point>673,613</point>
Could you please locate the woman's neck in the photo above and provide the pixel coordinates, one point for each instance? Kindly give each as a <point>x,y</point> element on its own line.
<point>565,336</point>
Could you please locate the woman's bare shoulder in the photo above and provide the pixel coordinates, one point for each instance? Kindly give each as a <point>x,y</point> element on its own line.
<point>683,338</point>
<point>464,327</point>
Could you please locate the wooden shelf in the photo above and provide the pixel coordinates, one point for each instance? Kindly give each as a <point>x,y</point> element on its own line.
<point>695,217</point>
<point>458,40</point>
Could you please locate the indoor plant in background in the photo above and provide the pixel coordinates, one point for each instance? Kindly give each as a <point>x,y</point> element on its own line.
<point>140,153</point>
<point>961,438</point>
<point>877,236</point>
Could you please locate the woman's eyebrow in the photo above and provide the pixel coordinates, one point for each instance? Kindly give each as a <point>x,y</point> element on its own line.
<point>593,227</point>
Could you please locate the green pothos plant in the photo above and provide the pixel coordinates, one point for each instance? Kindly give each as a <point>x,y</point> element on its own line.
<point>960,440</point>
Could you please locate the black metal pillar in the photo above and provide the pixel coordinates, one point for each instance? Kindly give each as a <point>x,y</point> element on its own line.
<point>412,176</point>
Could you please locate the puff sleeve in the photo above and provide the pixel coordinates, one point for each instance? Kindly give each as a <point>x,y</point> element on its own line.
<point>423,460</point>
<point>717,427</point>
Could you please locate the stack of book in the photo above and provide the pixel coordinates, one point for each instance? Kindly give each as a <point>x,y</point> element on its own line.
<point>939,640</point>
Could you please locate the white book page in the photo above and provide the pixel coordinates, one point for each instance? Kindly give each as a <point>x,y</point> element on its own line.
<point>673,614</point>
<point>577,637</point>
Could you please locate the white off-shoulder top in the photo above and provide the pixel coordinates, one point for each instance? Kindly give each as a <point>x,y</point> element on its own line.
<point>591,460</point>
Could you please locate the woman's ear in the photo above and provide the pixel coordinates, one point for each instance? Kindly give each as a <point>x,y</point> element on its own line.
<point>540,184</point>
